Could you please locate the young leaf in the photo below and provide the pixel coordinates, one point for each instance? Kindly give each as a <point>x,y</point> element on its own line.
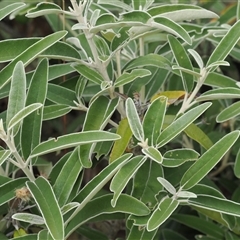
<point>182,60</point>
<point>226,44</point>
<point>32,124</point>
<point>229,112</point>
<point>17,94</point>
<point>4,154</point>
<point>167,185</point>
<point>181,123</point>
<point>163,211</point>
<point>153,154</point>
<point>29,218</point>
<point>67,178</point>
<point>29,54</point>
<point>208,160</point>
<point>120,145</point>
<point>153,119</point>
<point>134,120</point>
<point>72,140</point>
<point>123,176</point>
<point>46,201</point>
<point>196,57</point>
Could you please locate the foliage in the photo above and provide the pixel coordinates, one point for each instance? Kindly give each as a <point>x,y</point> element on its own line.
<point>149,87</point>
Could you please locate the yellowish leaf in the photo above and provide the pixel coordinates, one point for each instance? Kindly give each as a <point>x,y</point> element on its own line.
<point>172,96</point>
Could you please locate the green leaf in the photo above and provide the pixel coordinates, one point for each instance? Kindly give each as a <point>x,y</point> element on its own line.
<point>105,108</point>
<point>46,201</point>
<point>22,114</point>
<point>222,93</point>
<point>72,140</point>
<point>170,26</point>
<point>153,119</point>
<point>237,165</point>
<point>129,77</point>
<point>149,60</point>
<point>182,60</point>
<point>208,160</point>
<point>177,157</point>
<point>135,16</point>
<point>219,80</point>
<point>197,134</point>
<point>163,211</point>
<point>100,205</point>
<point>134,120</point>
<point>61,95</point>
<point>17,95</point>
<point>4,154</point>
<point>226,44</point>
<point>95,185</point>
<point>67,178</point>
<point>202,225</point>
<point>8,189</point>
<point>153,154</point>
<point>181,123</point>
<point>44,235</point>
<point>89,73</point>
<point>229,112</point>
<point>32,124</point>
<point>29,54</point>
<point>171,234</point>
<point>123,176</point>
<point>29,218</point>
<point>55,111</point>
<point>196,57</point>
<point>216,204</point>
<point>120,145</point>
<point>10,8</point>
<point>116,3</point>
<point>43,9</point>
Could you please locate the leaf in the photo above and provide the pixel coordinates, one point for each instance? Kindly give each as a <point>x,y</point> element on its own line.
<point>216,204</point>
<point>29,218</point>
<point>202,225</point>
<point>153,154</point>
<point>181,123</point>
<point>89,73</point>
<point>197,58</point>
<point>163,211</point>
<point>182,60</point>
<point>219,80</point>
<point>120,145</point>
<point>17,94</point>
<point>32,124</point>
<point>149,60</point>
<point>153,119</point>
<point>230,112</point>
<point>4,154</point>
<point>170,26</point>
<point>8,189</point>
<point>10,8</point>
<point>29,54</point>
<point>226,44</point>
<point>129,77</point>
<point>22,114</point>
<point>134,120</point>
<point>43,9</point>
<point>237,165</point>
<point>208,160</point>
<point>55,111</point>
<point>123,176</point>
<point>67,177</point>
<point>19,233</point>
<point>46,201</point>
<point>167,185</point>
<point>176,157</point>
<point>196,133</point>
<point>116,3</point>
<point>72,140</point>
<point>61,95</point>
<point>172,96</point>
<point>100,205</point>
